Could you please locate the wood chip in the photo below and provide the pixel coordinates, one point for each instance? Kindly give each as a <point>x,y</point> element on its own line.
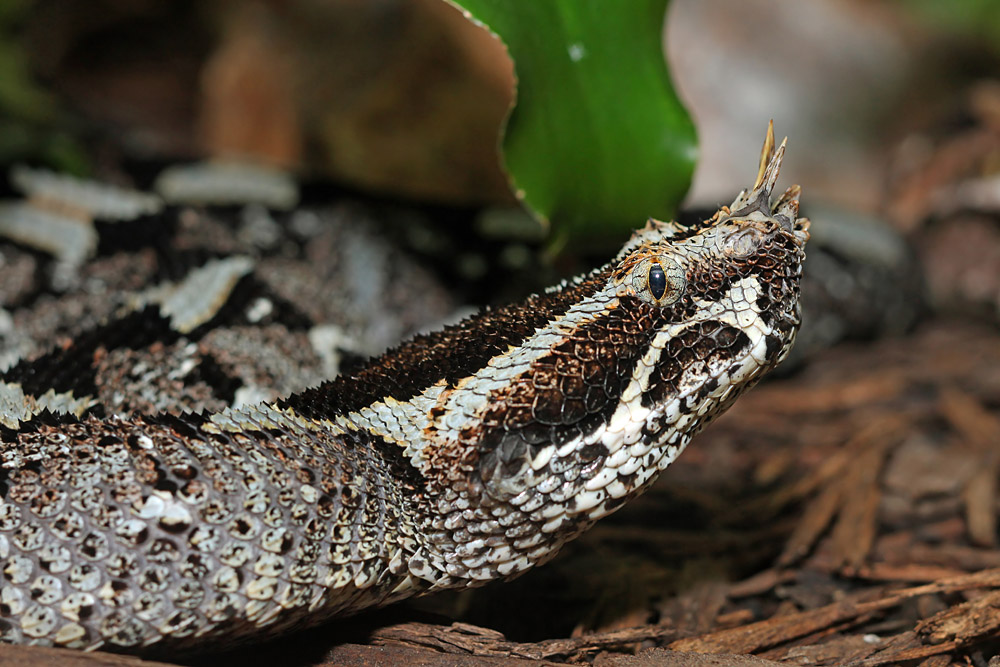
<point>462,638</point>
<point>981,430</point>
<point>852,491</point>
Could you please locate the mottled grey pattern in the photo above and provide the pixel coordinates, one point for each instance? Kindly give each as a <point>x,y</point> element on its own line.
<point>463,456</point>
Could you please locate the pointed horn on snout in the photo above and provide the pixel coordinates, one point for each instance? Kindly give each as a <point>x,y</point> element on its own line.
<point>770,165</point>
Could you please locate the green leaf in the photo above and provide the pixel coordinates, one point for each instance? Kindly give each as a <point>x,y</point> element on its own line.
<point>598,140</point>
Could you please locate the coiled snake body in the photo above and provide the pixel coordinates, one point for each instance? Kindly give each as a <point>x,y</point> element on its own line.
<point>460,457</point>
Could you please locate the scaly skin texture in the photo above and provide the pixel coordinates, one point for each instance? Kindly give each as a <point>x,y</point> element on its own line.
<point>460,457</point>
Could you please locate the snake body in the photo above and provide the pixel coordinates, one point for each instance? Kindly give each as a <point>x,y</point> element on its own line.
<point>463,456</point>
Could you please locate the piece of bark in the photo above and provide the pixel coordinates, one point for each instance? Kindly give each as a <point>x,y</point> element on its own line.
<point>905,646</point>
<point>661,657</point>
<point>955,555</point>
<point>38,656</point>
<point>760,583</point>
<point>981,430</point>
<point>695,612</point>
<point>980,504</point>
<point>906,572</point>
<point>357,655</point>
<point>827,653</point>
<point>854,532</point>
<point>465,639</point>
<point>732,619</point>
<point>851,489</point>
<point>815,520</point>
<point>777,630</point>
<point>963,622</point>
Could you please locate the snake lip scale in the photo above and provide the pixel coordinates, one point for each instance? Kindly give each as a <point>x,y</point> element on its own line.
<point>462,456</point>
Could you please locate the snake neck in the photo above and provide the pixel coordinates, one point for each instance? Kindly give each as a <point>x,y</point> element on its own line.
<point>570,406</point>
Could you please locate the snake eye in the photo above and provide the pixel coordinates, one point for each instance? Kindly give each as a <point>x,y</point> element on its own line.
<point>658,281</point>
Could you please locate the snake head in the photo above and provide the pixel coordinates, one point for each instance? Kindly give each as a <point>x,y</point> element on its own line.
<point>619,370</point>
<point>689,317</point>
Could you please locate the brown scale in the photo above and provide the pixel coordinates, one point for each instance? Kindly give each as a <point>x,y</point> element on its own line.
<point>145,382</point>
<point>582,378</point>
<point>449,354</point>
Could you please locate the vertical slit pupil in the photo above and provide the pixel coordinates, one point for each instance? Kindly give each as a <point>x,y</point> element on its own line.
<point>657,281</point>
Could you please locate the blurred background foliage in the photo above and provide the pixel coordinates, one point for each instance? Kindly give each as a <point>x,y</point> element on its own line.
<point>30,123</point>
<point>407,98</point>
<point>967,18</point>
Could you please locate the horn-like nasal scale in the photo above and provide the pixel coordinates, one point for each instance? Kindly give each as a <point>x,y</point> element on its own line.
<point>757,202</point>
<point>766,155</point>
